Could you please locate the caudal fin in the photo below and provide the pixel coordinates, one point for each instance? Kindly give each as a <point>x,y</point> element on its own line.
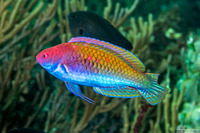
<point>155,93</point>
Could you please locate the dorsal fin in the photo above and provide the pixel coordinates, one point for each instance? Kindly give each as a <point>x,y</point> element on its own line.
<point>132,60</point>
<point>154,76</point>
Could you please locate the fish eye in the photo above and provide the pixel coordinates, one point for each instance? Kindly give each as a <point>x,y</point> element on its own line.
<point>74,16</point>
<point>45,56</point>
<point>81,31</point>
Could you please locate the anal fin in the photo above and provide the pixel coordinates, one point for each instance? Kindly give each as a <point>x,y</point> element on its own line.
<point>117,91</point>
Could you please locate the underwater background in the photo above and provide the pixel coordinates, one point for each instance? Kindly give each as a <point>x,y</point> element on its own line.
<point>165,35</point>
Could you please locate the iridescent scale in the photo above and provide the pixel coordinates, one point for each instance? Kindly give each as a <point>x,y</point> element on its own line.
<point>101,65</point>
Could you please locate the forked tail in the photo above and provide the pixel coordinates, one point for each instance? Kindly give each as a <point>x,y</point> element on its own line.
<point>155,93</point>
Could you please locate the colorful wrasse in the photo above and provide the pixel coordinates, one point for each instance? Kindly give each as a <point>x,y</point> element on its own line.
<point>111,71</point>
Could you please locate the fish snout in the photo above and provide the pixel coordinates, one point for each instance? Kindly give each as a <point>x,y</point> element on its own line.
<point>37,59</point>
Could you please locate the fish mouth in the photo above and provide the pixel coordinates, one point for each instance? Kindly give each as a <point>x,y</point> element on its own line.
<point>49,67</point>
<point>46,66</point>
<point>38,60</point>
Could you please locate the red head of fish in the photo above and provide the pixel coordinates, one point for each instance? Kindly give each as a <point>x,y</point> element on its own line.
<point>50,58</point>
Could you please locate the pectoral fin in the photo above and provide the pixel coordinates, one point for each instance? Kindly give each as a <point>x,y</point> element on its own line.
<point>118,91</point>
<point>75,89</point>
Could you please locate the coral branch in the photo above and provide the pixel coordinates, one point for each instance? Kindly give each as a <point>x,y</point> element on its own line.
<point>19,26</point>
<point>142,112</point>
<point>120,15</point>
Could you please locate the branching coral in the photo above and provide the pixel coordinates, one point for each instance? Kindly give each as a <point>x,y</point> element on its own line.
<point>140,35</point>
<point>91,110</point>
<point>133,114</point>
<point>189,81</point>
<point>169,109</point>
<point>70,6</point>
<point>58,121</point>
<point>9,21</point>
<point>18,51</point>
<point>120,14</point>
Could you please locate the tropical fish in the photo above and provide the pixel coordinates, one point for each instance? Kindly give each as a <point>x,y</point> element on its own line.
<point>88,24</point>
<point>25,130</point>
<point>111,71</point>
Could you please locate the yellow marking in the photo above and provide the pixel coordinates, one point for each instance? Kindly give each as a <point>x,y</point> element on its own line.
<point>116,67</point>
<point>102,67</point>
<point>95,55</point>
<point>106,69</point>
<point>99,66</point>
<point>95,64</point>
<point>105,63</point>
<point>101,61</point>
<point>91,63</point>
<point>102,54</point>
<point>98,52</point>
<point>93,58</point>
<point>91,53</point>
<point>106,55</point>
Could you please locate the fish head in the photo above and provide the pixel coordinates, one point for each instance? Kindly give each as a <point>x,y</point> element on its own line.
<point>50,58</point>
